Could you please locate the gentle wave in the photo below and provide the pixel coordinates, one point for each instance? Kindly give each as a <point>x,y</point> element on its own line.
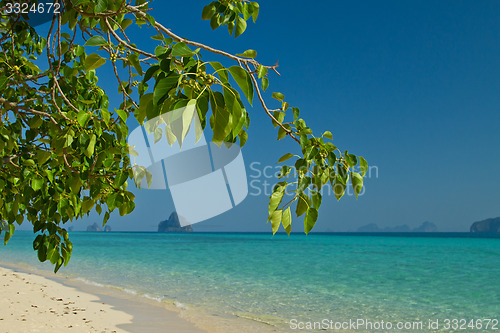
<point>272,280</point>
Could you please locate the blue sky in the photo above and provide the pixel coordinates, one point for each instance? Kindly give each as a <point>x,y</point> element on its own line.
<point>412,86</point>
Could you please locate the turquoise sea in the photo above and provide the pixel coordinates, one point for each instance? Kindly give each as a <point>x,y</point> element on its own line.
<point>286,281</point>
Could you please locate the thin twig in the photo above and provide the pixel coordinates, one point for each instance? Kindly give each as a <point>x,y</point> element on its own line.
<point>263,103</point>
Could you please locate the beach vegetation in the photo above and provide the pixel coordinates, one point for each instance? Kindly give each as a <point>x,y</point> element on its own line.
<point>64,150</point>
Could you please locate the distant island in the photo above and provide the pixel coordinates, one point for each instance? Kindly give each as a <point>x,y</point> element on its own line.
<point>96,228</point>
<point>424,227</point>
<point>488,225</point>
<point>173,225</point>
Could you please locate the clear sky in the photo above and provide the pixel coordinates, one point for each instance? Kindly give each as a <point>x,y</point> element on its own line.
<point>413,86</point>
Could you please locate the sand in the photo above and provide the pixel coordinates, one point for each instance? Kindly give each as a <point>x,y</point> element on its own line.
<point>33,303</point>
<point>39,301</point>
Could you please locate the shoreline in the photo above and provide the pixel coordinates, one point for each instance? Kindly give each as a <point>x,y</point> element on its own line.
<point>131,312</point>
<point>32,301</point>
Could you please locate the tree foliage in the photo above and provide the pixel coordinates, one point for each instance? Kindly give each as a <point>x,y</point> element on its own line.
<point>64,148</point>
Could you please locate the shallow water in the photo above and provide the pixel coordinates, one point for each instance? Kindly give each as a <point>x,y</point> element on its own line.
<point>307,278</point>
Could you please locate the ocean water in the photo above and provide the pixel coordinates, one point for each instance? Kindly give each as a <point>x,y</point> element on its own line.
<point>286,281</point>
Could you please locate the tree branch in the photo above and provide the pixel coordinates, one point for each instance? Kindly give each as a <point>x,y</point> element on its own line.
<point>200,45</point>
<point>121,41</point>
<point>263,103</point>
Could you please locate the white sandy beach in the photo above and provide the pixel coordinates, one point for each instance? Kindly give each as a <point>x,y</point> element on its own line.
<point>33,303</point>
<point>30,302</point>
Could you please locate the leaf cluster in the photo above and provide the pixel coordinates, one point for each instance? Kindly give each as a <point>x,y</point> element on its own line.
<point>319,164</point>
<point>232,13</point>
<point>64,150</point>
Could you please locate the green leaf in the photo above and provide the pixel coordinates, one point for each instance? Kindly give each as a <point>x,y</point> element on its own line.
<point>363,166</point>
<point>158,134</point>
<point>42,156</point>
<point>105,116</point>
<point>83,117</point>
<point>236,111</point>
<point>296,113</point>
<point>160,50</point>
<point>221,71</point>
<point>281,134</point>
<point>100,6</point>
<point>121,178</point>
<point>42,253</point>
<point>215,21</point>
<point>332,158</point>
<point>285,170</point>
<point>255,12</point>
<point>243,136</point>
<point>357,183</point>
<point>9,233</point>
<point>286,221</point>
<point>279,96</point>
<point>149,73</point>
<point>276,220</point>
<point>96,41</point>
<point>87,205</point>
<point>134,60</point>
<point>122,114</point>
<point>90,148</point>
<point>303,204</point>
<point>220,128</point>
<point>79,50</point>
<point>351,159</point>
<point>285,157</point>
<point>316,199</point>
<point>248,54</point>
<point>339,187</point>
<point>163,86</point>
<point>150,19</point>
<point>182,50</point>
<point>328,135</point>
<point>36,183</point>
<point>262,71</point>
<point>28,162</point>
<point>265,83</point>
<point>243,80</point>
<point>342,173</point>
<point>310,219</point>
<point>208,11</point>
<point>3,82</point>
<point>187,118</point>
<point>126,23</point>
<point>240,26</point>
<point>94,61</point>
<point>149,178</point>
<point>145,101</point>
<point>33,67</point>
<point>275,200</point>
<point>304,183</point>
<point>50,175</point>
<point>127,208</point>
<point>75,184</point>
<point>66,255</point>
<point>279,116</point>
<point>106,217</point>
